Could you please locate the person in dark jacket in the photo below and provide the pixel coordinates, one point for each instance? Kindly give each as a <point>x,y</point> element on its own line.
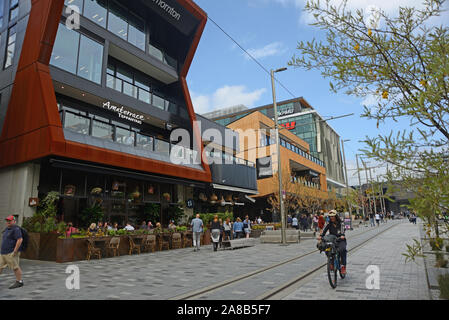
<point>10,250</point>
<point>335,227</point>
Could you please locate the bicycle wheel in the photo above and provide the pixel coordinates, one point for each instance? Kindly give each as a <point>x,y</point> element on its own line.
<point>331,272</point>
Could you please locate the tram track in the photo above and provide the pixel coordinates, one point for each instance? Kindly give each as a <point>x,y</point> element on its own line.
<point>195,294</point>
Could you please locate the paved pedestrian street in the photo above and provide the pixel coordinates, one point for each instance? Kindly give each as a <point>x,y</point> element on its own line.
<point>171,274</point>
<point>398,280</point>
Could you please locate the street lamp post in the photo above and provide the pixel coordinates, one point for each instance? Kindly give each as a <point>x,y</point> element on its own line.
<point>281,200</point>
<point>347,180</point>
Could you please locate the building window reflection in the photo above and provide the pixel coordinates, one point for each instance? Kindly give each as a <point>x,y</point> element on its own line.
<point>96,11</point>
<point>11,46</point>
<point>78,54</point>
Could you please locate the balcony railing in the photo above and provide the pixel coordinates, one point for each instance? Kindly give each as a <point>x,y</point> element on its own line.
<point>163,57</point>
<point>87,125</point>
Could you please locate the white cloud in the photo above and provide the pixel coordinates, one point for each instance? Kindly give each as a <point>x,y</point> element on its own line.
<point>226,96</point>
<point>272,49</point>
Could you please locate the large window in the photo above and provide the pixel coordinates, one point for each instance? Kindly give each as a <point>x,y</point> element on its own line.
<point>90,59</point>
<point>117,20</point>
<point>2,5</point>
<point>102,130</point>
<point>96,11</point>
<point>65,50</point>
<point>13,9</point>
<point>11,46</point>
<point>115,17</point>
<point>78,54</point>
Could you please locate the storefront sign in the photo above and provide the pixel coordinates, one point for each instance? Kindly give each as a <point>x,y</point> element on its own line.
<point>190,203</point>
<point>286,111</point>
<point>289,125</point>
<point>33,202</point>
<point>169,10</point>
<point>123,113</point>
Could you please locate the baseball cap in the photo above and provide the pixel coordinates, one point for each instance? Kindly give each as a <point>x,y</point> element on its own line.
<point>10,218</point>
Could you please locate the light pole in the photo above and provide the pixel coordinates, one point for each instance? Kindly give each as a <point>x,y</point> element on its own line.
<point>347,180</point>
<point>360,187</point>
<point>281,202</point>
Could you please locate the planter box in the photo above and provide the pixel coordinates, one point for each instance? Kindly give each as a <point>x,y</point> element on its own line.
<point>205,238</point>
<point>256,233</point>
<point>41,246</point>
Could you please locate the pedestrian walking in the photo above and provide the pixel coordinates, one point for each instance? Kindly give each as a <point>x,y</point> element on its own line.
<point>215,230</point>
<point>247,227</point>
<point>10,251</point>
<point>315,223</point>
<point>289,221</point>
<point>227,229</point>
<point>238,228</point>
<point>377,218</point>
<point>197,229</point>
<point>371,219</point>
<point>321,222</point>
<point>295,222</point>
<point>309,222</point>
<point>303,222</point>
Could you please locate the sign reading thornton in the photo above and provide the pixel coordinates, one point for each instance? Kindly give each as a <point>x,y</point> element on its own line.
<point>169,10</point>
<point>123,113</point>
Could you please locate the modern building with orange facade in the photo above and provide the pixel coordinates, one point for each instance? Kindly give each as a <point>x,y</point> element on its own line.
<point>87,110</point>
<point>258,144</point>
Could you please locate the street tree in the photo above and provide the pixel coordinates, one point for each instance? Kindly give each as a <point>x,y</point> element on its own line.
<point>402,62</point>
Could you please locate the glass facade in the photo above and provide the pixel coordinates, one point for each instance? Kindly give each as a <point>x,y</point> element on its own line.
<point>78,54</point>
<point>115,17</point>
<point>305,128</point>
<point>11,46</point>
<point>13,9</point>
<point>2,5</point>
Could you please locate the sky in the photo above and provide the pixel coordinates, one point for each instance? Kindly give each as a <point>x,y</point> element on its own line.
<point>222,75</point>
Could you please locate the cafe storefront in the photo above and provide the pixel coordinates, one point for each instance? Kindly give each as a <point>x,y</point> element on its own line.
<point>123,196</point>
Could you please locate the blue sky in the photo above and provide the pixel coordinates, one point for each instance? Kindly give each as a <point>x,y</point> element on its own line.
<point>221,75</point>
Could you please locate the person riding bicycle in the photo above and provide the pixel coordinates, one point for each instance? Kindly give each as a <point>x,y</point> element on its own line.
<point>335,227</point>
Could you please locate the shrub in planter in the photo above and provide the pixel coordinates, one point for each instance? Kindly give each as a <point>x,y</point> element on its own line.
<point>443,281</point>
<point>436,244</point>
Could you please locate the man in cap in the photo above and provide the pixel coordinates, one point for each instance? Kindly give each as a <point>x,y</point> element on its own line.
<point>10,251</point>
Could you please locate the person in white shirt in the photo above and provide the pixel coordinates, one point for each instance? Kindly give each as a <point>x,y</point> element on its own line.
<point>259,221</point>
<point>129,227</point>
<point>377,219</point>
<point>295,223</point>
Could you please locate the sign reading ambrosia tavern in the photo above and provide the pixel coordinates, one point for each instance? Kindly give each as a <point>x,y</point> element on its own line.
<point>123,113</point>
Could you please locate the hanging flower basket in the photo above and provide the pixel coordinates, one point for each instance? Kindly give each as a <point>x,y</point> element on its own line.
<point>166,196</point>
<point>96,191</point>
<point>202,197</point>
<point>151,189</point>
<point>213,197</point>
<point>69,190</point>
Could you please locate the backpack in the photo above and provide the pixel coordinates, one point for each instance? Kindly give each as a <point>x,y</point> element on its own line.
<point>25,238</point>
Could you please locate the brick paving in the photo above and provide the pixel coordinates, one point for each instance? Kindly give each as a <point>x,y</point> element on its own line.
<point>166,274</point>
<point>398,280</point>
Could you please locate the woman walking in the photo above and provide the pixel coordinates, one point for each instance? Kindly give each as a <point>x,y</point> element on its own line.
<point>215,230</point>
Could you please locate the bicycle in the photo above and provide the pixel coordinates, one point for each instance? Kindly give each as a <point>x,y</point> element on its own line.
<point>328,245</point>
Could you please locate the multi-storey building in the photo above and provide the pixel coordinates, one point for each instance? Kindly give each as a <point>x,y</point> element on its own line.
<point>87,110</point>
<point>301,119</point>
<point>303,174</point>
